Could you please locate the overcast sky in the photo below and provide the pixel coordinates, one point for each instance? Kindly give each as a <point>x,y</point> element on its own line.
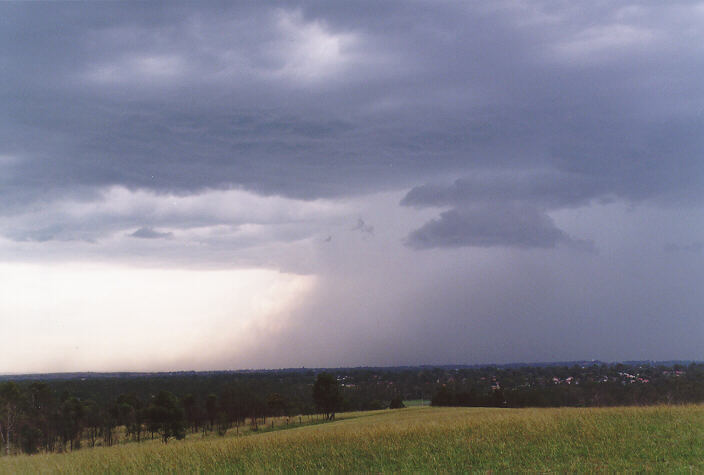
<point>263,185</point>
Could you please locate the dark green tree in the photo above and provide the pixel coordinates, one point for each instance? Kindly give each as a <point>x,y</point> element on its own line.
<point>277,404</point>
<point>443,397</point>
<point>9,404</point>
<point>327,395</point>
<point>191,408</point>
<point>166,416</point>
<point>211,408</point>
<point>93,420</point>
<point>397,403</point>
<point>72,415</point>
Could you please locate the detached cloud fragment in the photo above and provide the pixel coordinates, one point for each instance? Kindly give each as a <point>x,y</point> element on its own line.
<point>150,233</point>
<point>502,209</point>
<point>489,226</point>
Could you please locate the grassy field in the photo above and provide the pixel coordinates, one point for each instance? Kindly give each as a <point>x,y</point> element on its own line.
<point>416,402</point>
<point>662,439</point>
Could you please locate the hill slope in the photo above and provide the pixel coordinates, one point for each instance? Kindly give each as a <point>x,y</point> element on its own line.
<point>663,438</point>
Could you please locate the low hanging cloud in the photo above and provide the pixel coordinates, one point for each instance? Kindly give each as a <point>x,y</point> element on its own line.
<point>211,228</point>
<point>490,226</point>
<point>506,209</point>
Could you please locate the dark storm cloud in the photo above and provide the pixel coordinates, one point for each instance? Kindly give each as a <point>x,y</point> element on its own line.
<point>330,99</point>
<point>551,190</point>
<point>518,226</point>
<point>505,209</point>
<point>150,233</point>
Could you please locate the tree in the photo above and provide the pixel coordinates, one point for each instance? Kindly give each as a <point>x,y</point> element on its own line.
<point>326,395</point>
<point>41,414</point>
<point>9,402</point>
<point>211,408</point>
<point>130,414</point>
<point>191,408</point>
<point>166,416</point>
<point>93,420</point>
<point>277,404</point>
<point>72,414</point>
<point>397,403</point>
<point>497,398</point>
<point>443,397</point>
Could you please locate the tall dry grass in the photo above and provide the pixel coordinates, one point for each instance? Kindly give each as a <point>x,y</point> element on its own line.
<point>661,439</point>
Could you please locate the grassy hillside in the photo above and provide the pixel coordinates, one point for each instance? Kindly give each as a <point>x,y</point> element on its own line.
<point>664,438</point>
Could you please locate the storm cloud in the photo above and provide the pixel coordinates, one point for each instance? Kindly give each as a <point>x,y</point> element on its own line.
<point>486,227</point>
<point>321,101</point>
<point>501,210</point>
<point>388,152</point>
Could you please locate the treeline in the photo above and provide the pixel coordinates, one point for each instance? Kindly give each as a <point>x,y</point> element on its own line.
<point>35,417</point>
<point>596,385</point>
<point>39,416</point>
<point>58,415</point>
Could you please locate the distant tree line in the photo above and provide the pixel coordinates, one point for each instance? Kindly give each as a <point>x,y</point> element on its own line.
<point>596,385</point>
<point>64,414</point>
